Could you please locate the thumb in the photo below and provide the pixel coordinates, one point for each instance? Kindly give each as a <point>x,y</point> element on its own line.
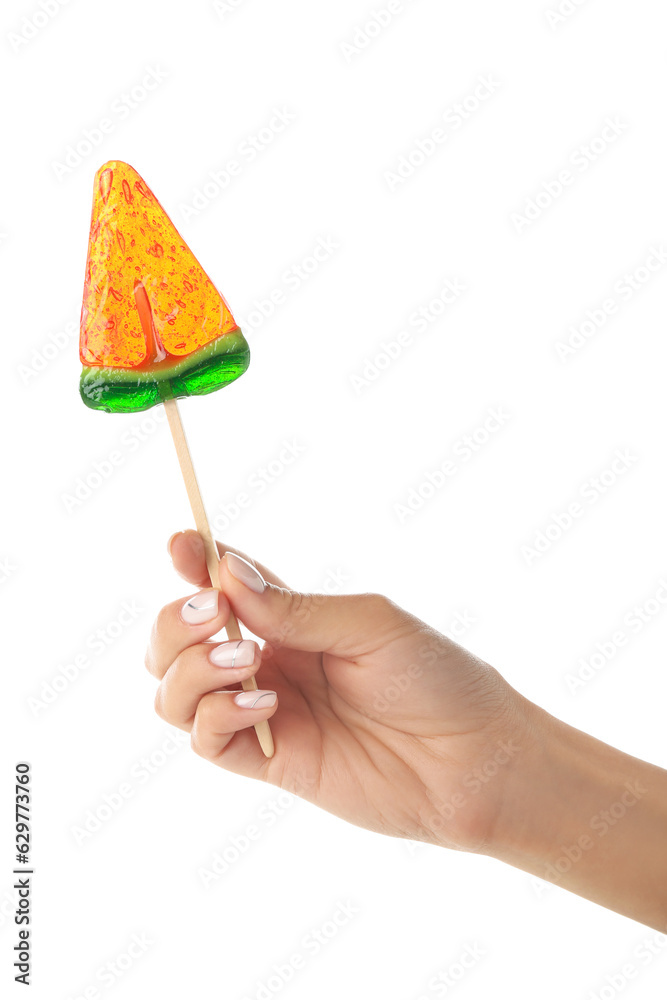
<point>347,625</point>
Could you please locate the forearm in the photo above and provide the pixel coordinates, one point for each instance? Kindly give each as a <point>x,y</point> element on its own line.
<point>589,818</point>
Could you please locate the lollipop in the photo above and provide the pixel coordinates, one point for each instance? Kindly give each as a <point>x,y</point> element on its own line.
<point>153,324</point>
<point>154,327</point>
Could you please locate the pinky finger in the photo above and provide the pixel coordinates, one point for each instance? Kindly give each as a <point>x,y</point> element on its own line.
<point>221,714</point>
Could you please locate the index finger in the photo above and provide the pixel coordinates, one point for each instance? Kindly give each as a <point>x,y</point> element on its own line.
<point>186,549</point>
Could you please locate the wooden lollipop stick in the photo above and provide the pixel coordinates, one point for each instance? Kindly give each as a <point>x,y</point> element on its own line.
<point>262,729</point>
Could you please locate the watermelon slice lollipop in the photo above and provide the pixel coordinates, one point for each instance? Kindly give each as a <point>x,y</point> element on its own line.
<point>153,324</point>
<point>154,327</point>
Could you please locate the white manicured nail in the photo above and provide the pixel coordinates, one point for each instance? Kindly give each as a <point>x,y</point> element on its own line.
<point>201,608</point>
<point>256,699</point>
<point>246,573</point>
<point>240,653</point>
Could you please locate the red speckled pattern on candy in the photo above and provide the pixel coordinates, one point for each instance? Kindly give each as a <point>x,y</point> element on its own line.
<point>132,243</point>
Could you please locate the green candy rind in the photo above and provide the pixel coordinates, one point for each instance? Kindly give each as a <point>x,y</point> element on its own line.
<point>128,390</point>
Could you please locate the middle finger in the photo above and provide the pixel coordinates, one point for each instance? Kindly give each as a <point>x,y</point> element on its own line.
<point>199,670</point>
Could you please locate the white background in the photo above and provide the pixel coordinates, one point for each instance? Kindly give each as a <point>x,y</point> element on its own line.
<point>358,105</point>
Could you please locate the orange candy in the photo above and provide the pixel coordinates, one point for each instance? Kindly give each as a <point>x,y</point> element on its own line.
<point>138,269</point>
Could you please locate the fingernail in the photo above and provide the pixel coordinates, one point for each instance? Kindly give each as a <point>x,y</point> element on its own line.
<point>246,573</point>
<point>203,607</point>
<point>169,543</point>
<point>234,654</point>
<point>256,699</point>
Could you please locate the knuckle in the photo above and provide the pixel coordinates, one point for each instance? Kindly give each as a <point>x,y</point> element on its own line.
<point>179,665</point>
<point>165,618</point>
<point>391,609</point>
<point>207,711</point>
<point>195,743</point>
<point>378,601</point>
<point>380,605</point>
<point>158,704</point>
<point>297,604</point>
<point>200,736</point>
<point>295,609</point>
<point>395,621</point>
<point>149,661</point>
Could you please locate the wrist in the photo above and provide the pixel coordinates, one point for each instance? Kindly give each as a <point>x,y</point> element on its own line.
<point>587,817</point>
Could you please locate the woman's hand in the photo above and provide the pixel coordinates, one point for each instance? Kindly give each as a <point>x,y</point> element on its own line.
<point>379,718</point>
